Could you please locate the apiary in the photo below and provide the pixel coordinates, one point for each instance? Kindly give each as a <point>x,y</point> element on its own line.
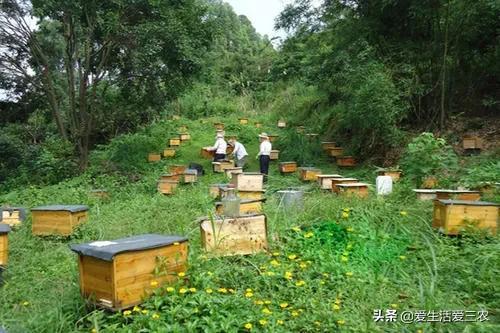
<point>57,220</point>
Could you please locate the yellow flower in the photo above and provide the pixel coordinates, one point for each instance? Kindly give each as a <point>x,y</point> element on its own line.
<point>267,302</point>
<point>344,259</point>
<point>283,305</point>
<point>341,322</point>
<point>192,289</point>
<point>345,215</point>
<point>127,313</point>
<point>309,235</point>
<point>296,229</point>
<point>338,301</point>
<point>300,283</point>
<point>26,303</point>
<point>325,274</point>
<point>348,273</point>
<point>248,326</point>
<point>322,282</point>
<point>209,291</point>
<point>210,273</point>
<point>403,213</point>
<point>181,274</point>
<point>231,290</point>
<point>350,229</point>
<point>266,311</point>
<point>258,302</point>
<point>271,273</point>
<point>136,309</point>
<point>276,254</point>
<point>280,322</point>
<point>394,306</point>
<point>93,330</point>
<point>274,263</point>
<point>303,265</point>
<point>288,275</point>
<point>248,290</point>
<point>295,314</point>
<point>155,316</point>
<point>153,284</point>
<point>248,295</point>
<point>347,210</point>
<point>317,323</point>
<point>336,307</point>
<point>222,290</point>
<point>402,257</point>
<point>263,322</point>
<point>170,289</point>
<point>183,290</point>
<point>292,256</point>
<point>145,311</point>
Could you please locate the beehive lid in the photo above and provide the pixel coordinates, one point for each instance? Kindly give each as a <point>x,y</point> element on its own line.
<point>330,176</point>
<point>191,172</point>
<point>275,151</point>
<point>67,208</point>
<point>468,203</point>
<point>251,174</point>
<point>22,212</point>
<point>423,190</point>
<point>352,185</point>
<point>106,250</point>
<point>244,201</point>
<point>347,179</point>
<point>168,175</point>
<point>309,169</point>
<point>456,191</point>
<point>4,228</point>
<point>229,219</point>
<point>290,162</point>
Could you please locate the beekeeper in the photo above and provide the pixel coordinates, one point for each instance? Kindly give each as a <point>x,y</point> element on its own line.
<point>264,153</point>
<point>239,152</point>
<point>219,147</point>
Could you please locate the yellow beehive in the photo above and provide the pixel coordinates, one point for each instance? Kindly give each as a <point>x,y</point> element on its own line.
<point>425,194</point>
<point>251,195</point>
<point>243,121</point>
<point>57,220</point>
<point>177,169</point>
<point>215,190</point>
<point>118,274</point>
<point>174,142</point>
<point>335,152</point>
<point>170,177</point>
<point>288,167</point>
<point>167,187</point>
<point>248,181</point>
<point>272,137</point>
<point>336,181</point>
<point>345,161</point>
<point>221,166</point>
<point>4,245</point>
<point>394,174</point>
<point>353,189</point>
<point>275,155</point>
<point>458,195</point>
<point>246,206</point>
<point>258,124</point>
<point>231,171</point>
<point>12,216</point>
<point>189,176</point>
<point>184,136</point>
<point>234,236</point>
<point>327,145</point>
<point>325,181</point>
<point>281,124</point>
<point>452,216</point>
<point>207,153</point>
<point>154,157</point>
<point>169,152</point>
<point>472,142</point>
<point>308,174</point>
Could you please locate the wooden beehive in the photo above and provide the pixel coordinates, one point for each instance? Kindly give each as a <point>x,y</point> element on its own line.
<point>235,236</point>
<point>248,181</point>
<point>247,206</point>
<point>4,245</point>
<point>394,174</point>
<point>99,194</point>
<point>230,171</point>
<point>275,155</point>
<point>189,176</point>
<point>167,187</point>
<point>430,182</point>
<point>452,216</point>
<point>13,216</point>
<point>219,126</point>
<point>309,174</point>
<point>425,194</point>
<point>472,142</point>
<point>458,195</point>
<point>345,161</point>
<point>327,145</point>
<point>170,177</point>
<point>220,166</point>
<point>335,152</point>
<point>174,142</point>
<point>169,152</point>
<point>281,124</point>
<point>336,181</point>
<point>258,124</point>
<point>183,129</point>
<point>325,181</point>
<point>118,274</point>
<point>353,189</point>
<point>57,220</point>
<point>243,121</point>
<point>207,153</point>
<point>214,190</point>
<point>272,137</point>
<point>288,167</point>
<point>177,169</point>
<point>184,136</point>
<point>154,157</point>
<point>251,195</point>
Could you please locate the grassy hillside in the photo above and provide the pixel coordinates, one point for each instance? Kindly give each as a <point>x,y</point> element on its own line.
<point>329,267</point>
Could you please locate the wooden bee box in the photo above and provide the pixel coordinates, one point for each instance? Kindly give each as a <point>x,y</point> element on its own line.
<point>430,182</point>
<point>275,155</point>
<point>458,195</point>
<point>177,169</point>
<point>325,181</point>
<point>4,244</point>
<point>288,167</point>
<point>235,236</point>
<point>472,142</point>
<point>154,157</point>
<point>335,152</point>
<point>336,181</point>
<point>13,216</point>
<point>219,126</point>
<point>272,138</point>
<point>57,220</point>
<point>184,136</point>
<point>281,124</point>
<point>452,216</point>
<point>425,194</point>
<point>251,195</point>
<point>167,187</point>
<point>170,177</point>
<point>258,124</point>
<point>345,161</point>
<point>190,176</point>
<point>168,152</point>
<point>247,206</point>
<point>395,175</point>
<point>118,274</point>
<point>99,194</point>
<point>183,129</point>
<point>231,171</point>
<point>248,181</point>
<point>353,189</point>
<point>174,142</point>
<point>327,145</point>
<point>309,174</point>
<point>206,153</point>
<point>221,166</point>
<point>243,121</point>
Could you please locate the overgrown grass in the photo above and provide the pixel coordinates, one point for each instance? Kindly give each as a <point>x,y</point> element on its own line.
<point>332,263</point>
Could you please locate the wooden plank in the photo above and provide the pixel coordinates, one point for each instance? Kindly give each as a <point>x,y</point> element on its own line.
<point>248,181</point>
<point>4,249</point>
<point>56,222</point>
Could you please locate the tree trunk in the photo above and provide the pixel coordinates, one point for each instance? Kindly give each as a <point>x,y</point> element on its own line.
<point>442,117</point>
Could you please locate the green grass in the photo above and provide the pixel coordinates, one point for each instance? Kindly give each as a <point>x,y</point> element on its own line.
<point>376,258</point>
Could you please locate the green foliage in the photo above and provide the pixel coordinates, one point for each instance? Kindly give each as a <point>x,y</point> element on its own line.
<point>427,155</point>
<point>487,172</point>
<point>298,147</point>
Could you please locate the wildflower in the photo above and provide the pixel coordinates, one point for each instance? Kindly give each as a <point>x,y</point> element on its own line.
<point>209,291</point>
<point>283,305</point>
<point>263,322</point>
<point>288,275</point>
<point>403,213</point>
<point>336,307</point>
<point>300,283</point>
<point>266,311</point>
<point>309,235</point>
<point>348,273</point>
<point>248,295</point>
<point>322,282</point>
<point>26,303</point>
<point>153,284</point>
<point>402,257</point>
<point>303,265</point>
<point>181,274</point>
<point>274,263</point>
<point>350,229</point>
<point>170,289</point>
<point>231,290</point>
<point>193,290</point>
<point>280,322</point>
<point>325,274</point>
<point>267,302</point>
<point>394,306</point>
<point>338,301</point>
<point>210,273</point>
<point>347,210</point>
<point>183,290</point>
<point>349,246</point>
<point>223,290</point>
<point>296,229</point>
<point>344,259</point>
<point>276,254</point>
<point>258,302</point>
<point>136,309</point>
<point>317,323</point>
<point>292,256</point>
<point>145,312</point>
<point>248,290</point>
<point>270,273</point>
<point>341,322</point>
<point>155,316</point>
<point>93,330</point>
<point>345,215</point>
<point>248,326</point>
<point>127,313</point>
<point>295,314</point>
